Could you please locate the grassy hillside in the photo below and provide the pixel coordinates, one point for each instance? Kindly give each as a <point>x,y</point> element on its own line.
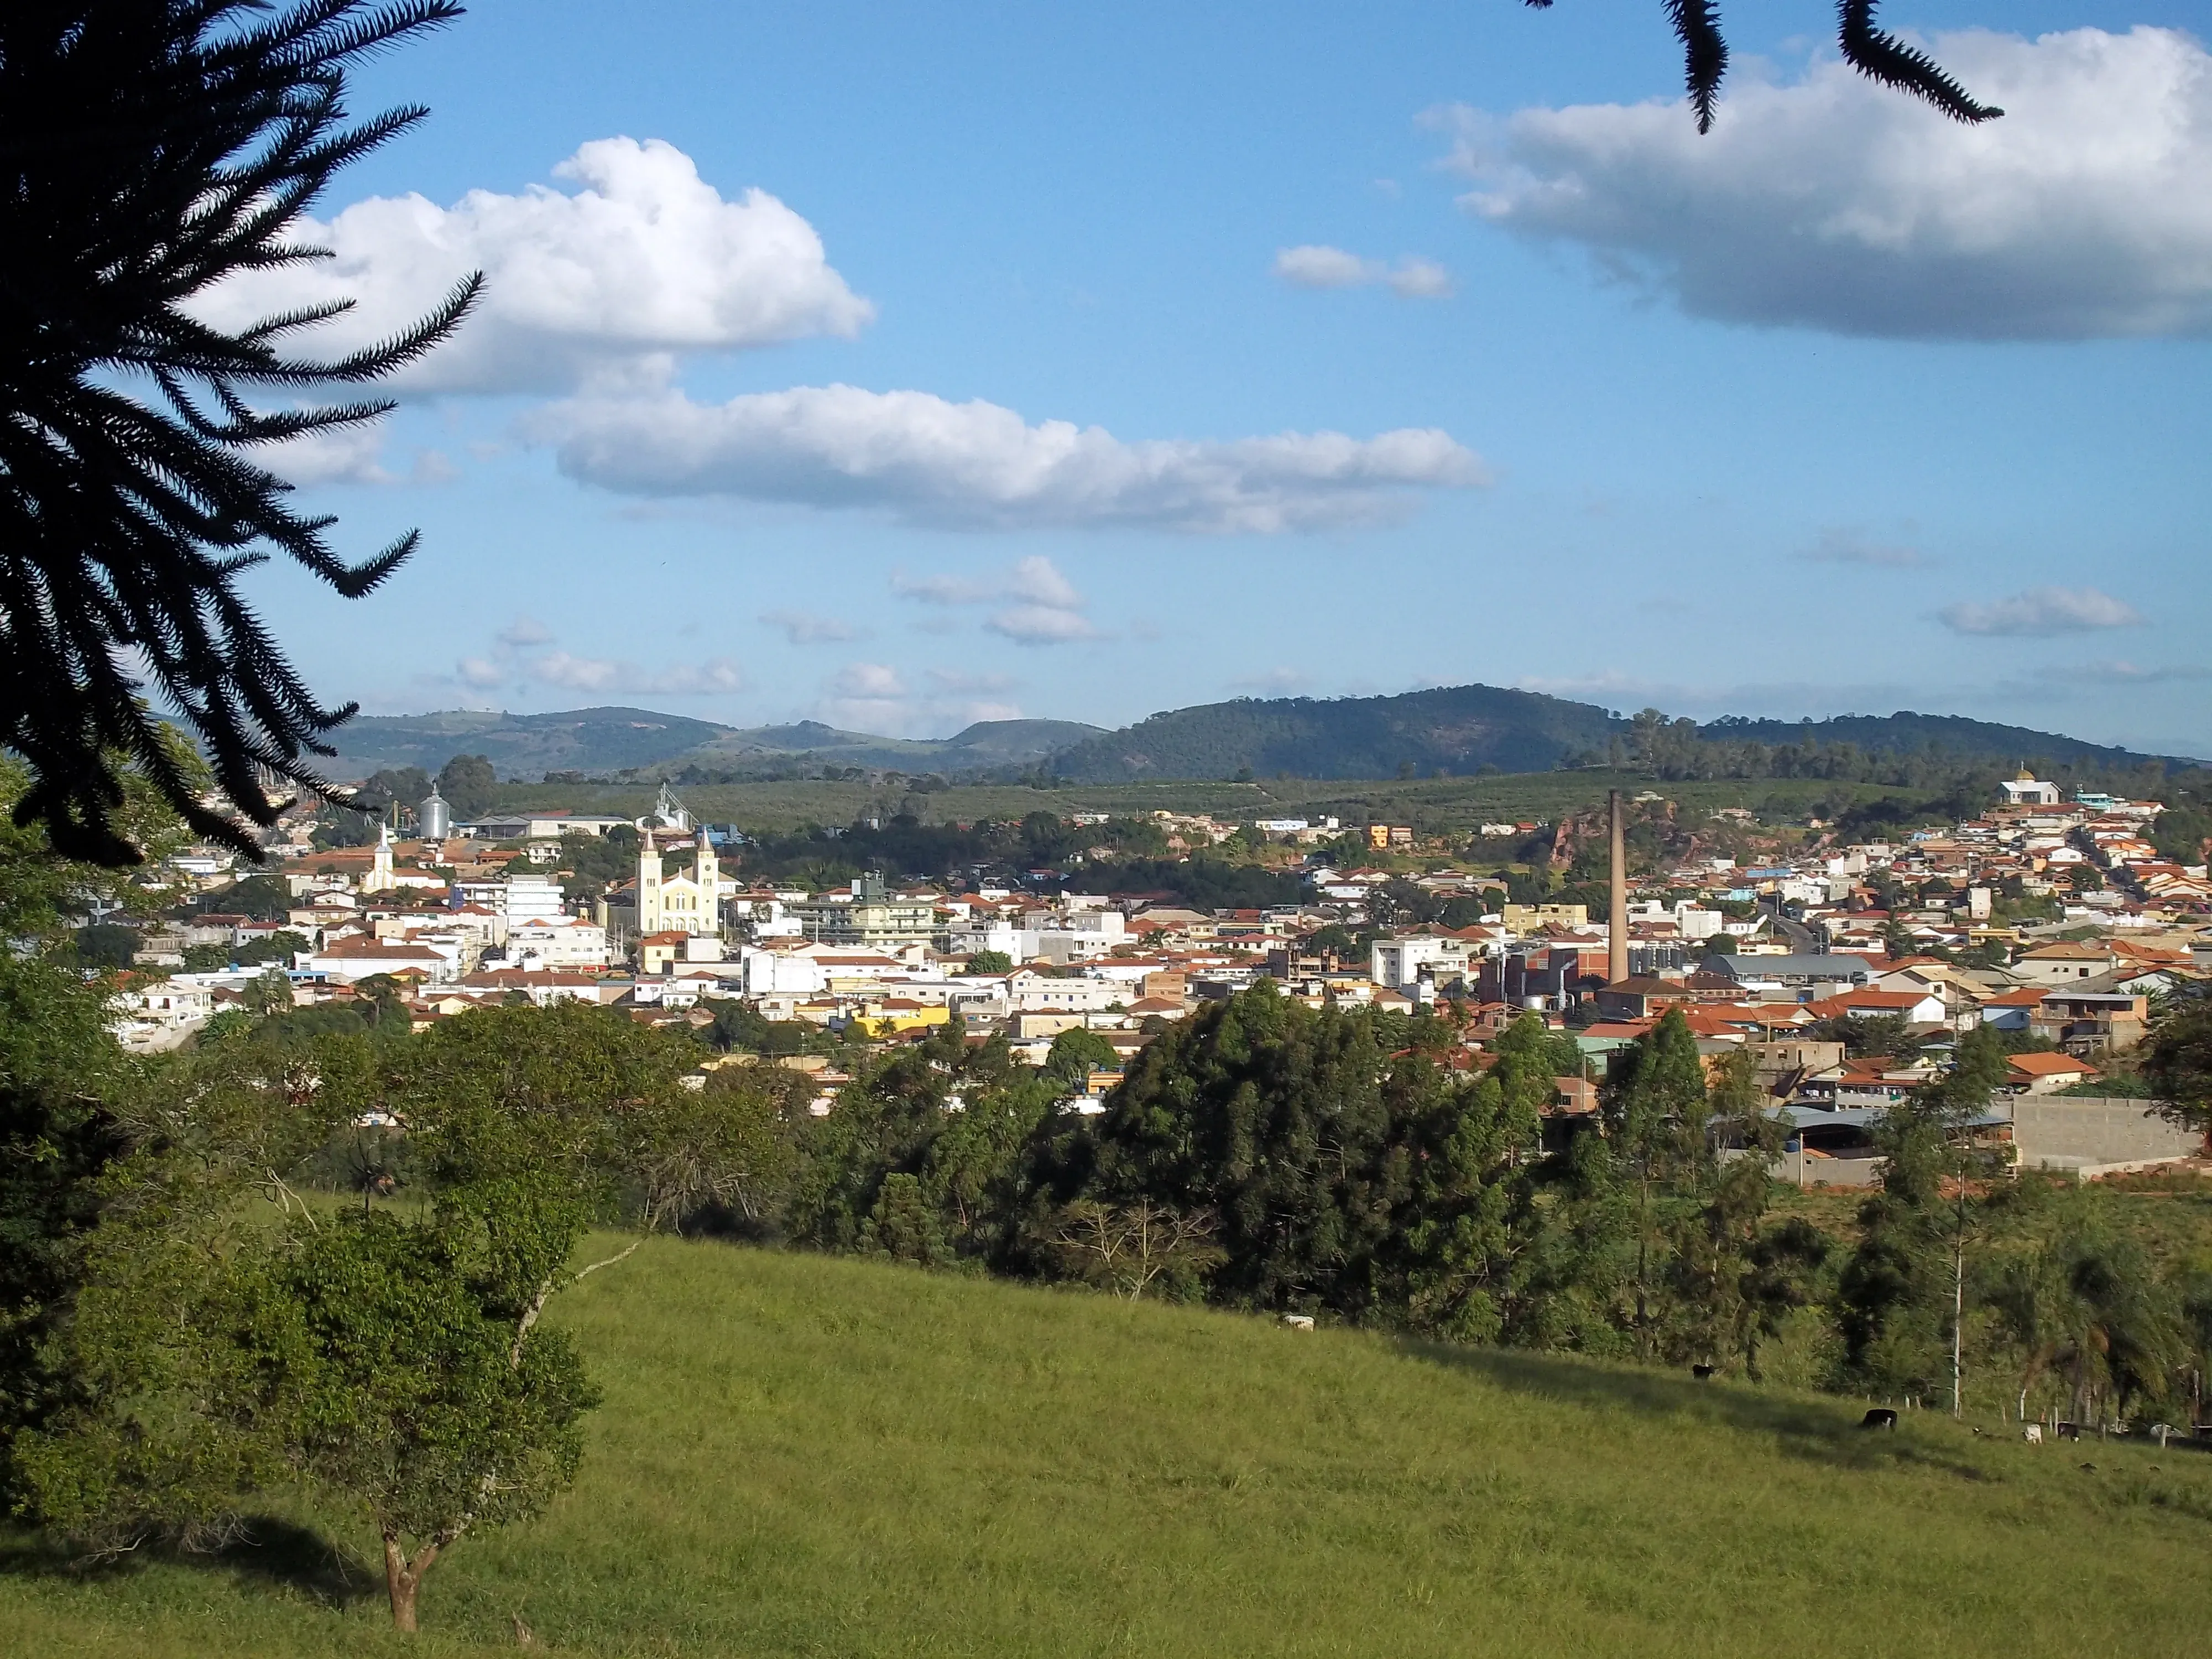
<point>800,1456</point>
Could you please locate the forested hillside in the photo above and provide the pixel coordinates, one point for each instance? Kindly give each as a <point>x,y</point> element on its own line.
<point>1458,729</point>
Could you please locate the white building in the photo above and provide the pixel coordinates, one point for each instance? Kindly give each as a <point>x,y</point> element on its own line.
<point>1395,963</point>
<point>2027,790</point>
<point>557,942</point>
<point>527,899</point>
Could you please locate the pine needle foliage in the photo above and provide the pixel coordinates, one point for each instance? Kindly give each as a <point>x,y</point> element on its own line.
<point>1872,51</point>
<point>149,149</point>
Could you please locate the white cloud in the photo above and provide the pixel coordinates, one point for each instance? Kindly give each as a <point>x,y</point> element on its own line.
<point>345,454</point>
<point>804,628</point>
<point>719,676</point>
<point>1831,201</point>
<point>1849,547</point>
<point>978,465</point>
<point>524,631</point>
<point>642,260</point>
<point>868,679</point>
<point>873,696</point>
<point>1047,609</point>
<point>1316,265</point>
<point>1041,624</point>
<point>479,674</point>
<point>2042,612</point>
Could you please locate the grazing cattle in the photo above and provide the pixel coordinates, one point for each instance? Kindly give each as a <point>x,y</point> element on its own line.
<point>2032,1434</point>
<point>1298,1321</point>
<point>1880,1418</point>
<point>2069,1431</point>
<point>1703,1373</point>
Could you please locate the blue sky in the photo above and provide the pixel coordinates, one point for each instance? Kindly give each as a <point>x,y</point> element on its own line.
<point>1841,409</point>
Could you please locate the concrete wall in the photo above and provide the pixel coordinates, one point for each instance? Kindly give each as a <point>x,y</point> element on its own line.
<point>2069,1132</point>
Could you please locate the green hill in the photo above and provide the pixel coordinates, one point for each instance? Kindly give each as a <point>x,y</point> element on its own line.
<point>802,1455</point>
<point>1906,733</point>
<point>610,740</point>
<point>1459,729</point>
<point>517,745</point>
<point>1463,729</point>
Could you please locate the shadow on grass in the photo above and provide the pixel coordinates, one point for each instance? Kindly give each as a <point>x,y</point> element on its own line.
<point>1822,1430</point>
<point>268,1552</point>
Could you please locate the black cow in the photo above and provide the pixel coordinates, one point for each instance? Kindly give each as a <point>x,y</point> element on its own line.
<point>1880,1418</point>
<point>1703,1373</point>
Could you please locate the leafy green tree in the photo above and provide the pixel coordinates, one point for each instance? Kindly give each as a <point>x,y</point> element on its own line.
<point>1075,1053</point>
<point>2177,1060</point>
<point>727,1145</point>
<point>152,150</point>
<point>1271,1116</point>
<point>1901,1295</point>
<point>1656,1113</point>
<point>1470,1213</point>
<point>421,1395</point>
<point>469,784</point>
<point>106,945</point>
<point>59,1137</point>
<point>989,962</point>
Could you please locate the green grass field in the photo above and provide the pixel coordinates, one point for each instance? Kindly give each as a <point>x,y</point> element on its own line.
<point>800,1456</point>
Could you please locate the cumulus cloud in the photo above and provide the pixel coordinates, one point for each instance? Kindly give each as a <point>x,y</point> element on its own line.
<point>480,673</point>
<point>602,674</point>
<point>2042,612</point>
<point>525,631</point>
<point>1832,203</point>
<point>1039,605</point>
<point>1039,624</point>
<point>642,259</point>
<point>873,696</point>
<point>1316,265</point>
<point>804,628</point>
<point>978,465</point>
<point>1849,547</point>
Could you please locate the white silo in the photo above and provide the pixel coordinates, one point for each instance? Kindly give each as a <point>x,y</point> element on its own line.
<point>434,818</point>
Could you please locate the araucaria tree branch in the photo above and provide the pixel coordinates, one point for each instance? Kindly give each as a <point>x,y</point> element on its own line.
<point>149,149</point>
<point>1873,52</point>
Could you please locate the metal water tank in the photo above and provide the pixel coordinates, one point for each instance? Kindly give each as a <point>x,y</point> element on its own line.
<point>434,818</point>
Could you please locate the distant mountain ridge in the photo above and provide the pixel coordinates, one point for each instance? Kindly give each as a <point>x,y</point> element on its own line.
<point>1456,730</point>
<point>617,740</point>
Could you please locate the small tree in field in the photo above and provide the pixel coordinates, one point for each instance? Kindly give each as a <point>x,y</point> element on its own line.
<point>421,1399</point>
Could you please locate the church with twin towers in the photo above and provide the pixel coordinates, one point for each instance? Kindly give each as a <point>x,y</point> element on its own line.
<point>677,903</point>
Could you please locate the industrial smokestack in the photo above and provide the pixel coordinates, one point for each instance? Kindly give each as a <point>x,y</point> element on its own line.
<point>1616,954</point>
